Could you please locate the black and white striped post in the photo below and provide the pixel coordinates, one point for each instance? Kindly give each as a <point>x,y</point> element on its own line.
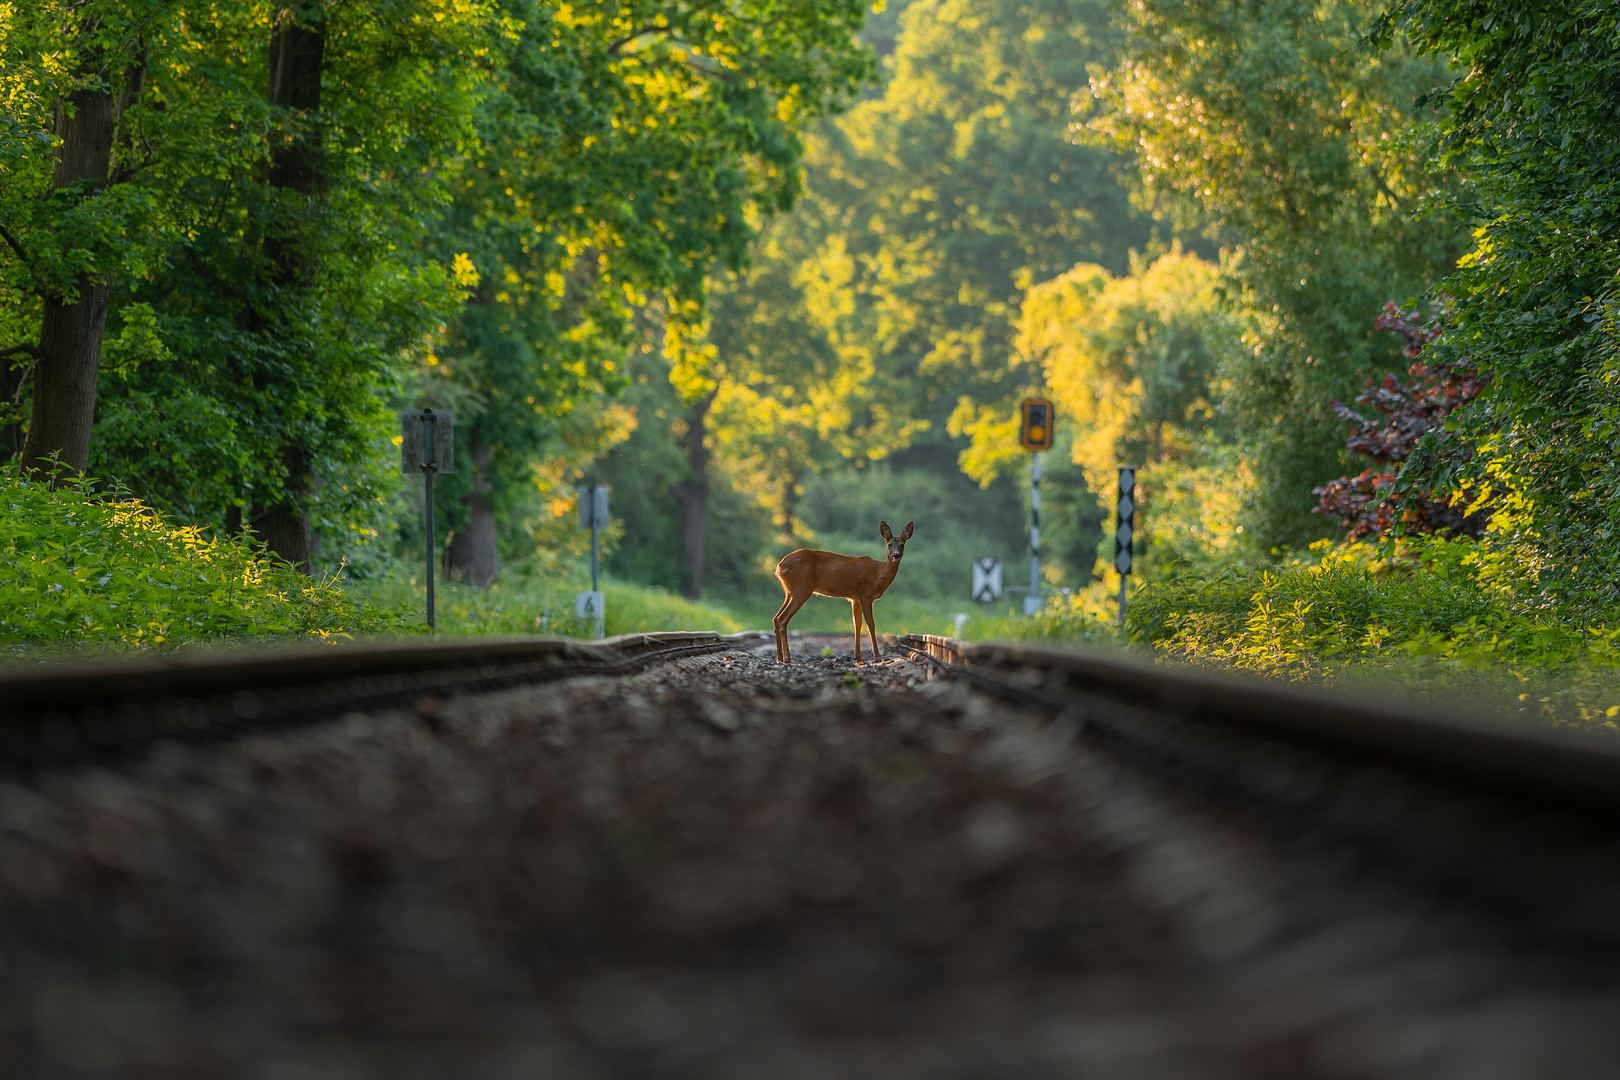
<point>1125,510</point>
<point>1032,602</point>
<point>1035,434</point>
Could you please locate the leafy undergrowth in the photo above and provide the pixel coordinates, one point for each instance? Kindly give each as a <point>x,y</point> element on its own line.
<point>1433,619</point>
<point>1083,618</point>
<point>81,571</point>
<point>528,604</point>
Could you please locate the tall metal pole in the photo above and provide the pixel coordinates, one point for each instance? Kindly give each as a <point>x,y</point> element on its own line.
<point>428,475</point>
<point>595,551</point>
<point>429,467</point>
<point>1122,599</point>
<point>1034,602</point>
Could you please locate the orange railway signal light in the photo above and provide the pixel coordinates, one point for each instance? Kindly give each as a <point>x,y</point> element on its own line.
<point>1037,429</point>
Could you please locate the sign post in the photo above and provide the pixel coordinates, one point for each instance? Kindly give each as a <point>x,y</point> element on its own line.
<point>1125,510</point>
<point>427,445</point>
<point>593,515</point>
<point>1035,433</point>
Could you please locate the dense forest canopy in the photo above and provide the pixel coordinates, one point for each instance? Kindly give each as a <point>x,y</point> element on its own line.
<point>770,270</point>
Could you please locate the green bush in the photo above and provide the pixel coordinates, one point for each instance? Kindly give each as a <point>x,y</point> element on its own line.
<point>1083,617</point>
<point>1432,617</point>
<point>80,569</point>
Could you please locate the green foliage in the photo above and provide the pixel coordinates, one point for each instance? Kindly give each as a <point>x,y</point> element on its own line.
<point>629,151</point>
<point>283,313</point>
<point>643,471</point>
<point>468,206</point>
<point>1076,620</point>
<point>78,569</point>
<point>1535,302</point>
<point>57,238</point>
<point>532,604</point>
<point>1434,617</point>
<point>956,523</point>
<point>1132,361</point>
<point>887,298</point>
<point>1268,126</point>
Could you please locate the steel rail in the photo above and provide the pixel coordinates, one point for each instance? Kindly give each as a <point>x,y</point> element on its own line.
<point>1487,813</point>
<point>1475,748</point>
<point>71,713</point>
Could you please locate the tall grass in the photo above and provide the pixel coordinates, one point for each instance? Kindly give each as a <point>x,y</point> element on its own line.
<point>534,604</point>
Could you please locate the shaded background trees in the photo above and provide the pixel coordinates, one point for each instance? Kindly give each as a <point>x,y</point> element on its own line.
<point>766,272</point>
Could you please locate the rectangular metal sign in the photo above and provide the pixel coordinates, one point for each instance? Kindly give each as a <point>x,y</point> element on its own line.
<point>1125,514</point>
<point>593,507</point>
<point>987,580</point>
<point>414,453</point>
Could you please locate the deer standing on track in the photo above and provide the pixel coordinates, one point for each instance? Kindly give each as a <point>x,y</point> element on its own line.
<point>856,578</point>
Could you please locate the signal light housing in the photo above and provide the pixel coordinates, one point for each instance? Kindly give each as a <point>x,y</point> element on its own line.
<point>1038,424</point>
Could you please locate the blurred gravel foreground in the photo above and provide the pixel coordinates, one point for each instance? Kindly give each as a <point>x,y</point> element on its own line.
<point>726,868</point>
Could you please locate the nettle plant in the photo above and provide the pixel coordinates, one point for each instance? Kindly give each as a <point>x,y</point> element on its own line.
<point>1385,498</point>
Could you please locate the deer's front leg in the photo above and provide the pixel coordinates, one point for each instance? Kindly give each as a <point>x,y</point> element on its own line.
<point>871,628</point>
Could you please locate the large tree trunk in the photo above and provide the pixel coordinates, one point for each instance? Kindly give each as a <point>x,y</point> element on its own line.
<point>692,497</point>
<point>284,526</point>
<point>296,57</point>
<point>473,556</point>
<point>70,334</point>
<point>11,384</point>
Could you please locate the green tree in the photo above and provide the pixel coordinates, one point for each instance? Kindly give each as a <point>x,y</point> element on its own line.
<point>1270,127</point>
<point>1534,304</point>
<point>296,273</point>
<point>627,153</point>
<point>880,313</point>
<point>75,216</point>
<point>1132,362</point>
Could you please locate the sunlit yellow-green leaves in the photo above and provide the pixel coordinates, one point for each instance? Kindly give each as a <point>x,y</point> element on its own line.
<point>81,570</point>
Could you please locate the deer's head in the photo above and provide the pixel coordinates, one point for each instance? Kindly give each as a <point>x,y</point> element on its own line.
<point>897,544</point>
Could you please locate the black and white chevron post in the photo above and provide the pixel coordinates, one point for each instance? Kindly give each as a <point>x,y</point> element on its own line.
<point>1125,533</point>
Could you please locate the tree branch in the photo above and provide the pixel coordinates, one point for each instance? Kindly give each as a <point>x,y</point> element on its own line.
<point>22,380</point>
<point>15,245</point>
<point>614,48</point>
<point>712,73</point>
<point>25,349</point>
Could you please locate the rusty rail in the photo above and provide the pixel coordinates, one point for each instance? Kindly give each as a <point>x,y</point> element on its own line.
<point>66,713</point>
<point>1470,746</point>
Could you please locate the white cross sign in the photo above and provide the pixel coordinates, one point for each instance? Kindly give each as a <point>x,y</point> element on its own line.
<point>986,580</point>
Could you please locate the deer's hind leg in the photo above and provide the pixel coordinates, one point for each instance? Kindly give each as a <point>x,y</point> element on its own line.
<point>790,608</point>
<point>781,628</point>
<point>855,612</point>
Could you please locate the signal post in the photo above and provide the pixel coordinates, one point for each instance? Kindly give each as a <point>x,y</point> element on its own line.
<point>1035,434</point>
<point>1124,534</point>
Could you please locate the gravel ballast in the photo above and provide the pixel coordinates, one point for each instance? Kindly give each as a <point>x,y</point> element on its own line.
<point>725,867</point>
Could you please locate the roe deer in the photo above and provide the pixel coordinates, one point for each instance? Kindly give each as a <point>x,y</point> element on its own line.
<point>855,578</point>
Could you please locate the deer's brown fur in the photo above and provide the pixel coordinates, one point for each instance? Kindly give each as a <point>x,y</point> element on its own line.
<point>856,578</point>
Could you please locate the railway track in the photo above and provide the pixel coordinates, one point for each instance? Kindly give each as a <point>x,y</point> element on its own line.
<point>72,714</point>
<point>668,856</point>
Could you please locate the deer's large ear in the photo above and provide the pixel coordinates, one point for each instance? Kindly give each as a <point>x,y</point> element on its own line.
<point>883,530</point>
<point>905,533</point>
